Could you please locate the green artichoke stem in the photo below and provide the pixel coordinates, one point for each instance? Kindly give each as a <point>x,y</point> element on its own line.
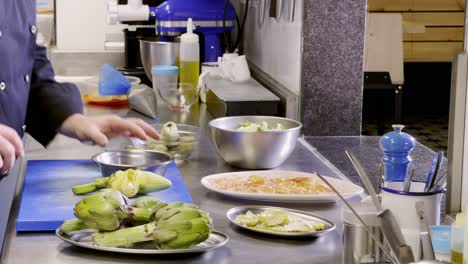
<point>73,225</point>
<point>84,188</point>
<point>140,214</point>
<point>101,182</point>
<point>125,237</point>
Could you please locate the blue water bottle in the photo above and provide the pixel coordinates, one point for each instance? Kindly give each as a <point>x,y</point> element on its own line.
<point>396,147</point>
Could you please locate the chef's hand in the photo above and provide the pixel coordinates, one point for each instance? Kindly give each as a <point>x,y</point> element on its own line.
<point>99,129</point>
<point>11,147</point>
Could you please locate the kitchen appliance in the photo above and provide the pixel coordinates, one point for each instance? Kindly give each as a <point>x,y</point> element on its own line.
<point>139,20</point>
<point>212,19</point>
<point>47,199</point>
<point>154,52</point>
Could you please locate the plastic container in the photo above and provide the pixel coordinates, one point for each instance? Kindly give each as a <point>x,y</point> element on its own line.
<point>457,240</point>
<point>441,235</point>
<point>212,69</point>
<point>164,75</point>
<point>358,245</point>
<point>189,56</point>
<point>402,205</point>
<point>465,245</point>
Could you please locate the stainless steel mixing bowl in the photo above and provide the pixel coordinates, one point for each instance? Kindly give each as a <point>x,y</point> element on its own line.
<point>154,52</point>
<point>254,150</point>
<point>114,160</point>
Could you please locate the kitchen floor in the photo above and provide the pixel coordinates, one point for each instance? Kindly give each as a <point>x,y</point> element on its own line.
<point>429,130</point>
<point>426,103</point>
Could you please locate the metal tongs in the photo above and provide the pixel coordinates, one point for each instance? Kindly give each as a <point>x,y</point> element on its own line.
<point>392,231</point>
<point>377,241</point>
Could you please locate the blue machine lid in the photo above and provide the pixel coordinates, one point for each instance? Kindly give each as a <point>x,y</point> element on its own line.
<point>165,70</point>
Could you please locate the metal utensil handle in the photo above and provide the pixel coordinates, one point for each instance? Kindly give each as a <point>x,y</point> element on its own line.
<point>408,180</point>
<point>427,251</point>
<point>365,179</point>
<point>279,9</point>
<point>381,246</point>
<point>292,6</point>
<point>262,12</point>
<point>440,159</point>
<point>432,169</point>
<point>439,182</point>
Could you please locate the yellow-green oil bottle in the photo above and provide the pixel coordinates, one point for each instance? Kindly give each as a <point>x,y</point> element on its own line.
<point>189,70</point>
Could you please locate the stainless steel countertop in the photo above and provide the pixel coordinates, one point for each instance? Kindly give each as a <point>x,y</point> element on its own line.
<point>243,247</point>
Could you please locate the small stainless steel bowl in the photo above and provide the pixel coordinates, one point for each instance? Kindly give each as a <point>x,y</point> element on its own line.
<point>254,150</point>
<point>114,160</point>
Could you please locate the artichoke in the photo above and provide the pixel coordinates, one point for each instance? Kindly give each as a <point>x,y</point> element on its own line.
<point>108,209</point>
<point>179,227</point>
<point>151,182</point>
<point>104,210</point>
<point>130,182</point>
<point>124,181</point>
<point>169,132</point>
<point>144,208</point>
<point>181,233</point>
<point>161,213</point>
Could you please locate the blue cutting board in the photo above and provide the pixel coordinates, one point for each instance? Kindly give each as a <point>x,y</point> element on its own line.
<point>47,199</point>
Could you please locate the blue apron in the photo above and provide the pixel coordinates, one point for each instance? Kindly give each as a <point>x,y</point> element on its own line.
<point>30,98</point>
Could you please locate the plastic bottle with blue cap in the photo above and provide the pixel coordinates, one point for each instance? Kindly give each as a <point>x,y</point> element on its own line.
<point>397,147</point>
<point>164,75</point>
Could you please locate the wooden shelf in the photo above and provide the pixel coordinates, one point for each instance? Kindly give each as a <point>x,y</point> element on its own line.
<point>431,51</point>
<point>436,34</point>
<point>415,5</point>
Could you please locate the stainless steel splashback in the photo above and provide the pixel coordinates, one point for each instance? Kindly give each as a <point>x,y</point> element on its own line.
<point>273,45</point>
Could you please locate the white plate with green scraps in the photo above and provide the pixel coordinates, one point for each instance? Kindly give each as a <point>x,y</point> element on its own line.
<point>279,221</point>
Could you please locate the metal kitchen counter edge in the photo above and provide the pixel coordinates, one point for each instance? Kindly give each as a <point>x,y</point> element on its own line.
<point>243,247</point>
